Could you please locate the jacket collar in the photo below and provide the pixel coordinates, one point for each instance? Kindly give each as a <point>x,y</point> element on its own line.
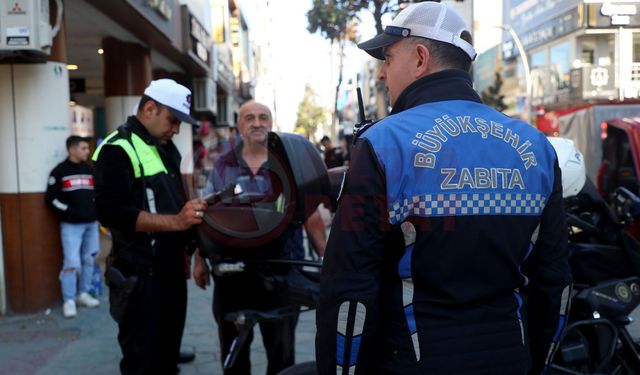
<point>137,127</point>
<point>234,157</point>
<point>450,84</point>
<point>169,150</point>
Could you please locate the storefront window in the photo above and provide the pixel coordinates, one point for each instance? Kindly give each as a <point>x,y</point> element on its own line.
<point>538,65</point>
<point>559,66</point>
<point>597,49</point>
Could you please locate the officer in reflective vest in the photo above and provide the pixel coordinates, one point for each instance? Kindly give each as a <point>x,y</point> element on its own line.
<point>140,197</point>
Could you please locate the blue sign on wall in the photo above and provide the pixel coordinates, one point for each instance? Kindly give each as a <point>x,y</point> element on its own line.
<point>538,22</point>
<point>524,15</point>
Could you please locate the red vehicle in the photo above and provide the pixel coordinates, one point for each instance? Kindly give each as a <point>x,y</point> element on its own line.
<point>620,155</point>
<point>620,160</point>
<point>588,127</point>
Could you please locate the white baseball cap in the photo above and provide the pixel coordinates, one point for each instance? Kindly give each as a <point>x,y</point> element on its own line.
<point>173,96</point>
<point>431,20</point>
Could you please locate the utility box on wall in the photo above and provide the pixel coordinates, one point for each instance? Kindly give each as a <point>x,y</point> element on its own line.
<point>25,31</point>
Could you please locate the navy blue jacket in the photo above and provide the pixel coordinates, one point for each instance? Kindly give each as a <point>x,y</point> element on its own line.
<point>448,251</point>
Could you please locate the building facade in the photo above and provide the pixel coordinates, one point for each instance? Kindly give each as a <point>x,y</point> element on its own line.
<point>87,80</point>
<point>580,52</point>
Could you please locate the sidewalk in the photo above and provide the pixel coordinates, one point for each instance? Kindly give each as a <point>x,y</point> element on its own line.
<point>47,344</point>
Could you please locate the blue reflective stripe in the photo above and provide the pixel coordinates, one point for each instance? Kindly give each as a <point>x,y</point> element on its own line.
<point>529,250</point>
<point>561,323</point>
<point>466,205</point>
<point>404,267</point>
<point>519,299</point>
<point>340,343</point>
<point>411,319</point>
<point>355,348</point>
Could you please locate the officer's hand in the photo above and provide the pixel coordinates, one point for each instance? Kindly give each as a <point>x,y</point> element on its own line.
<point>191,214</point>
<point>201,272</point>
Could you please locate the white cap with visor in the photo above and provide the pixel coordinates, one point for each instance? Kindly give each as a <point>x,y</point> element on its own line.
<point>173,96</point>
<point>431,20</point>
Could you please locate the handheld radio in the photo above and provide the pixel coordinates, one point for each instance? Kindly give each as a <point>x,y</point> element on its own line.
<point>363,117</point>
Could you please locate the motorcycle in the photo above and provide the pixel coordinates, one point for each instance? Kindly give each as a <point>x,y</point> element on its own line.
<point>605,263</point>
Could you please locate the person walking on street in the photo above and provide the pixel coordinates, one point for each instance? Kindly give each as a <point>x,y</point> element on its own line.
<point>139,195</point>
<point>247,167</point>
<point>448,252</point>
<point>70,195</point>
<point>332,155</point>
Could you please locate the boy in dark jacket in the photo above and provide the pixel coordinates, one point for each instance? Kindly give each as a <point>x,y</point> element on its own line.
<point>70,195</point>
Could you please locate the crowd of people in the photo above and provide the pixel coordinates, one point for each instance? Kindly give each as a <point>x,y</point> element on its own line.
<point>421,273</point>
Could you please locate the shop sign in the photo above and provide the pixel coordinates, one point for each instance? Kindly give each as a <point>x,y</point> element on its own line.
<point>199,39</point>
<point>544,33</point>
<point>599,82</point>
<point>159,13</point>
<point>162,7</point>
<point>526,15</point>
<point>620,13</point>
<point>599,77</point>
<point>81,121</point>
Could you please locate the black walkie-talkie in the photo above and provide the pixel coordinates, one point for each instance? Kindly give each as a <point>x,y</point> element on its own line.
<point>363,117</point>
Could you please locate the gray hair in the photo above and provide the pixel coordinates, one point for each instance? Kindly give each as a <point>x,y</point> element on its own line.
<point>445,55</point>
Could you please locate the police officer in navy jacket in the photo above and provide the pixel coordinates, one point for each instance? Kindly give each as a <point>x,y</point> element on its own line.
<point>448,252</point>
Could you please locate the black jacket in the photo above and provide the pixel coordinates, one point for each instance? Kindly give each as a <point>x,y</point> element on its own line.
<point>448,251</point>
<point>70,192</point>
<point>119,199</point>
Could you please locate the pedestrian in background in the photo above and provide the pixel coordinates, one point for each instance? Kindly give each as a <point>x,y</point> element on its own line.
<point>139,195</point>
<point>247,166</point>
<point>332,155</point>
<point>70,195</point>
<point>448,252</point>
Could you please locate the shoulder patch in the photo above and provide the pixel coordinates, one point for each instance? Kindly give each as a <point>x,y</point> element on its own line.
<point>52,180</point>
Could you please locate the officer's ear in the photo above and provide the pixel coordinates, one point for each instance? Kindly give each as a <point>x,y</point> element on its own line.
<point>423,61</point>
<point>148,109</point>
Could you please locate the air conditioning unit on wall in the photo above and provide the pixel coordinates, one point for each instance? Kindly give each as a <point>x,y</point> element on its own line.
<point>25,31</point>
<point>204,96</point>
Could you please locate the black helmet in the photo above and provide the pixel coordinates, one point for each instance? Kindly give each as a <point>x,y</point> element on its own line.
<point>240,224</point>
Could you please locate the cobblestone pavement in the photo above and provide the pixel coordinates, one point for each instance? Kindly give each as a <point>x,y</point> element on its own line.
<point>47,344</point>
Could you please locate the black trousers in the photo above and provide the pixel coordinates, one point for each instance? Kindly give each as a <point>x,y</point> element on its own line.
<point>247,292</point>
<point>151,329</point>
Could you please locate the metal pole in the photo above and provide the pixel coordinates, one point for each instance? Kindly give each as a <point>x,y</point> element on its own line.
<point>525,62</point>
<point>618,65</point>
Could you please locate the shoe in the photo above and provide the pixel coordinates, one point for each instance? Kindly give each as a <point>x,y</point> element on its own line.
<point>69,309</point>
<point>186,356</point>
<point>86,300</point>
